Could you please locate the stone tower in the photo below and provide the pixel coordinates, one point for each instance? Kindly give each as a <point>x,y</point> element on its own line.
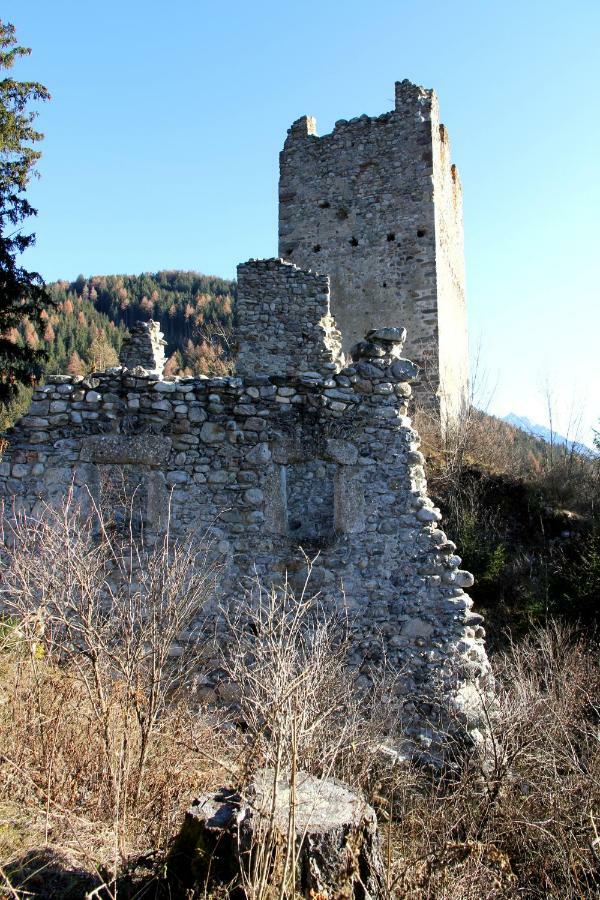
<point>377,205</point>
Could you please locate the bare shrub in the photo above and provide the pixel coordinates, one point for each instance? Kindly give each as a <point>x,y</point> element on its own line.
<point>526,825</point>
<point>300,710</point>
<point>95,721</point>
<point>286,653</point>
<point>102,748</point>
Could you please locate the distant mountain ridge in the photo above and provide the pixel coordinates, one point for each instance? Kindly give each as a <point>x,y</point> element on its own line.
<point>546,434</point>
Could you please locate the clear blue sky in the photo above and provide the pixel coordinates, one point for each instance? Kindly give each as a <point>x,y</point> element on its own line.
<point>166,119</point>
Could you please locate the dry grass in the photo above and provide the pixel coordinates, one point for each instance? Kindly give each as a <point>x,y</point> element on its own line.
<point>102,745</point>
<point>97,732</point>
<point>56,789</point>
<point>301,712</point>
<point>525,826</point>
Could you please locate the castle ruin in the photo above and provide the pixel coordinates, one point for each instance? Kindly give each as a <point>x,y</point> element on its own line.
<point>377,205</point>
<point>307,448</point>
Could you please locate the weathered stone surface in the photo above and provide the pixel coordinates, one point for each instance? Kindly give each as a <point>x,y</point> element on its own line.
<point>300,453</point>
<point>143,450</point>
<point>346,484</point>
<point>404,370</point>
<point>284,321</point>
<point>259,455</point>
<point>144,351</point>
<point>212,433</point>
<point>377,205</point>
<point>426,514</point>
<point>342,452</point>
<point>387,335</point>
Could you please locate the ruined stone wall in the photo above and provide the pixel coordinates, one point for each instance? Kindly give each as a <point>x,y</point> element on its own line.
<point>283,320</point>
<point>377,206</point>
<point>259,466</point>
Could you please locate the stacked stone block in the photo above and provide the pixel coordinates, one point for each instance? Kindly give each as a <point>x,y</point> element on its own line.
<point>144,348</point>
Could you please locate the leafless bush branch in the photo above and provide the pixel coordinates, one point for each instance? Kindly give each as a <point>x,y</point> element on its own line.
<point>104,628</point>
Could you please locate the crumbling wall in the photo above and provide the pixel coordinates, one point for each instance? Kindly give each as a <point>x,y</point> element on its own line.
<point>144,347</point>
<point>283,320</point>
<point>377,206</point>
<point>257,467</point>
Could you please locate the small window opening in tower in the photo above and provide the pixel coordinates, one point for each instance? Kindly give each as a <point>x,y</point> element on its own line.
<point>391,236</point>
<point>384,284</point>
<point>421,232</point>
<point>324,204</point>
<point>353,242</point>
<point>342,213</point>
<point>289,251</point>
<point>316,248</point>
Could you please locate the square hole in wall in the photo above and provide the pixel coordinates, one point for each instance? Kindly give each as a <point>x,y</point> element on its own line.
<point>310,503</point>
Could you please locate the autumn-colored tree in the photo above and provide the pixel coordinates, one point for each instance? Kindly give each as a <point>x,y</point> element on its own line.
<point>49,334</point>
<point>22,293</point>
<point>12,335</point>
<point>75,366</point>
<point>172,365</point>
<point>30,334</point>
<point>102,355</point>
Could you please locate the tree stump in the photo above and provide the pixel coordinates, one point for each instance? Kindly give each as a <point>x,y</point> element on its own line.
<point>235,840</point>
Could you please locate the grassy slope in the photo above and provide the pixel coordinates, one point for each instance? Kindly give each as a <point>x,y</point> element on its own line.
<point>525,518</point>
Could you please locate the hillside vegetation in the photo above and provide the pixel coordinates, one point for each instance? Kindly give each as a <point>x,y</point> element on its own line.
<point>526,518</point>
<point>106,739</point>
<point>84,328</point>
<point>195,311</point>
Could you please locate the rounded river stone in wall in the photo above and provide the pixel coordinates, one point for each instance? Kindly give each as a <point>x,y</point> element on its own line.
<point>212,433</point>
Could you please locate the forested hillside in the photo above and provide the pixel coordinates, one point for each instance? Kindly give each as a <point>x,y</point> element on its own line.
<point>84,329</point>
<point>195,312</point>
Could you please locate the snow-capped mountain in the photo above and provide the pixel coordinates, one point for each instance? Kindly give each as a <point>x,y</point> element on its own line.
<point>544,433</point>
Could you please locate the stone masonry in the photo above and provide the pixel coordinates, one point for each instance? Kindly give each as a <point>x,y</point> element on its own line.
<point>260,465</point>
<point>284,323</point>
<point>308,448</point>
<point>145,347</point>
<point>377,205</point>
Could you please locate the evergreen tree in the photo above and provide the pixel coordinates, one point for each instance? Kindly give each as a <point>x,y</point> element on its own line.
<point>22,293</point>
